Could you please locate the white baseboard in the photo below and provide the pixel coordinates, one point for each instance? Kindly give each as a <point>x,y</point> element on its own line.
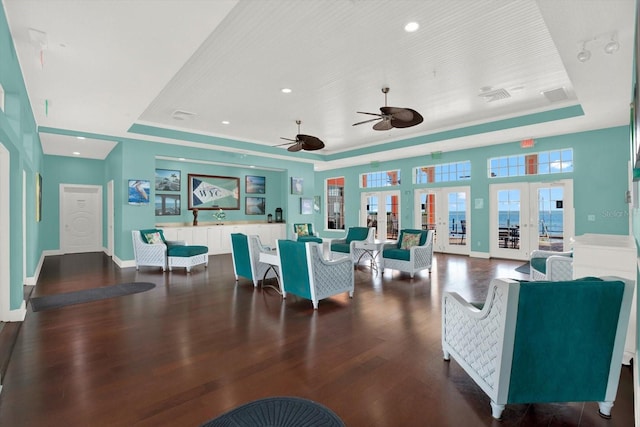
<point>17,315</point>
<point>484,255</point>
<point>31,281</point>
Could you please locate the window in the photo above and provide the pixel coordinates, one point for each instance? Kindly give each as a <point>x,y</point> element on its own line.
<point>380,179</point>
<point>446,172</point>
<point>543,163</point>
<point>335,203</point>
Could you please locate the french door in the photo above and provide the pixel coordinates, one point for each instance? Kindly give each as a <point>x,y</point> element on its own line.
<point>446,212</point>
<point>381,210</point>
<point>529,216</point>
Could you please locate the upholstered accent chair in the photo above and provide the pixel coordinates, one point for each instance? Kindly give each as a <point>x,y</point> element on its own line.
<point>549,265</point>
<point>150,248</point>
<point>305,233</point>
<point>346,246</point>
<point>412,252</point>
<point>541,341</point>
<point>304,272</point>
<point>245,253</point>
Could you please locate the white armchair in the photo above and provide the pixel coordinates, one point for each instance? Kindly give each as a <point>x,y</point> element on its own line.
<point>346,245</point>
<point>245,254</point>
<point>304,272</point>
<point>409,257</point>
<point>150,248</point>
<point>573,355</point>
<point>550,265</point>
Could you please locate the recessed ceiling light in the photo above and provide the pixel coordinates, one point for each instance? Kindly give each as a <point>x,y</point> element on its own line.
<point>225,122</point>
<point>411,27</point>
<point>76,153</point>
<point>286,90</point>
<point>80,137</point>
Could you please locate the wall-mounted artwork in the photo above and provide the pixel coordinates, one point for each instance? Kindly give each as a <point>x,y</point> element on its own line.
<point>254,205</point>
<point>139,191</point>
<point>254,184</point>
<point>306,206</point>
<point>167,204</point>
<point>296,186</point>
<point>213,192</point>
<point>38,197</point>
<point>167,180</point>
<point>316,204</point>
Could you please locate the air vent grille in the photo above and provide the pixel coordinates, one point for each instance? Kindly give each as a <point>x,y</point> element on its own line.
<point>182,115</point>
<point>491,95</point>
<point>556,95</point>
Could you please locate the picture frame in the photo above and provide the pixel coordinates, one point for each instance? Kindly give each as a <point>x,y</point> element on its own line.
<point>297,186</point>
<point>139,191</point>
<point>254,206</point>
<point>254,184</point>
<point>306,205</point>
<point>209,192</point>
<point>167,204</point>
<point>38,197</point>
<point>167,180</point>
<point>317,204</point>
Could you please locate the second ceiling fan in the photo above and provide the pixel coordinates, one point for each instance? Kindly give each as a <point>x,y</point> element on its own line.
<point>392,117</point>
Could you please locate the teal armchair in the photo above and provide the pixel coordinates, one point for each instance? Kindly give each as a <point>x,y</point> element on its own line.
<point>346,246</point>
<point>550,265</point>
<point>541,341</point>
<point>412,252</point>
<point>245,253</point>
<point>304,272</point>
<point>305,233</point>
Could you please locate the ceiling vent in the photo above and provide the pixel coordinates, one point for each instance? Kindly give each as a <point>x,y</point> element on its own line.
<point>491,95</point>
<point>182,115</point>
<point>556,95</point>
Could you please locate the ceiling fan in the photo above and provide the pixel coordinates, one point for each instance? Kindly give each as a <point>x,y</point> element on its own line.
<point>393,117</point>
<point>302,142</point>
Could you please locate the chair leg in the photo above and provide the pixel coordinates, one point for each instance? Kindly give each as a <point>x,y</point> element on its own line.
<point>605,409</point>
<point>447,356</point>
<point>496,410</point>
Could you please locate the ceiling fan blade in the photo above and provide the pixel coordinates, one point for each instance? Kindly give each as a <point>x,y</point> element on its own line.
<point>371,114</point>
<point>309,142</point>
<point>383,125</point>
<point>416,120</point>
<point>288,139</point>
<point>295,147</point>
<point>367,121</point>
<point>403,114</point>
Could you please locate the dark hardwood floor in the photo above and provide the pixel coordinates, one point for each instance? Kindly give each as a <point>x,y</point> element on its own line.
<point>198,345</point>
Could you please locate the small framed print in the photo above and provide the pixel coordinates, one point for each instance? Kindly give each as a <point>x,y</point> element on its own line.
<point>167,204</point>
<point>296,186</point>
<point>306,206</point>
<point>167,180</point>
<point>254,184</point>
<point>254,205</point>
<point>139,191</point>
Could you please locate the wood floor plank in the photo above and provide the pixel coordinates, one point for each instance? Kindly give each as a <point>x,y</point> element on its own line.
<point>201,344</point>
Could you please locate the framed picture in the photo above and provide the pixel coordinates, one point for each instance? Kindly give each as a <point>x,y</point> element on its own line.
<point>139,191</point>
<point>254,205</point>
<point>167,204</point>
<point>306,206</point>
<point>38,197</point>
<point>209,192</point>
<point>316,204</point>
<point>296,185</point>
<point>254,184</point>
<point>167,180</point>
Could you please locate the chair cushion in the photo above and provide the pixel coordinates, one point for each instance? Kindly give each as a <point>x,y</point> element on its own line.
<point>395,253</point>
<point>302,229</point>
<point>187,251</point>
<point>340,247</point>
<point>309,239</point>
<point>409,240</point>
<point>539,264</point>
<point>152,236</point>
<point>357,233</point>
<point>422,233</point>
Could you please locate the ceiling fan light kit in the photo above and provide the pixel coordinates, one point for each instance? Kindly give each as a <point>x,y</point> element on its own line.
<point>392,117</point>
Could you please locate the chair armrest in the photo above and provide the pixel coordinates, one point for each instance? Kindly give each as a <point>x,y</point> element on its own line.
<point>390,245</point>
<point>559,267</point>
<point>538,253</point>
<point>338,241</point>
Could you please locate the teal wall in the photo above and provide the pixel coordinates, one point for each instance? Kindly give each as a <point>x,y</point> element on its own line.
<point>600,181</point>
<point>18,135</point>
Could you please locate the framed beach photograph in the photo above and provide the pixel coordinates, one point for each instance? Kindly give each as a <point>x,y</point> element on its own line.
<point>296,186</point>
<point>210,192</point>
<point>167,180</point>
<point>167,204</point>
<point>139,191</point>
<point>254,184</point>
<point>306,205</point>
<point>254,205</point>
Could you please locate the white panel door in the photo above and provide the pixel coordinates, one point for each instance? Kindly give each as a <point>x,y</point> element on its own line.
<point>80,218</point>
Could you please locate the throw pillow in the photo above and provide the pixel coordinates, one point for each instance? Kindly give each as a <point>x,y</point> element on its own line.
<point>409,240</point>
<point>302,230</point>
<point>153,238</point>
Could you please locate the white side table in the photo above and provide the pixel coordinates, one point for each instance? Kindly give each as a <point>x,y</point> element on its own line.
<point>370,250</point>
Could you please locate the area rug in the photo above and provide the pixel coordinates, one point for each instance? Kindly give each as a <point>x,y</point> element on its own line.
<point>50,302</point>
<point>524,268</point>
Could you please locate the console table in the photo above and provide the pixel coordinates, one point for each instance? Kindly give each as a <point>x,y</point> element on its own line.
<point>600,255</point>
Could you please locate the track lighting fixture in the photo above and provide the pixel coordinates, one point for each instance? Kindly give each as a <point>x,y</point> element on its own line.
<point>584,54</point>
<point>611,45</point>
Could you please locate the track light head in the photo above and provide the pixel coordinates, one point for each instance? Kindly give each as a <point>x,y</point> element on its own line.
<point>584,55</point>
<point>612,45</point>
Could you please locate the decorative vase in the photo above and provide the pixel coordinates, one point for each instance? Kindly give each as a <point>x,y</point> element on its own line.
<point>195,217</point>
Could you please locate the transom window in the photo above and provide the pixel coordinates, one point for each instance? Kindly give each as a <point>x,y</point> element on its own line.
<point>445,172</point>
<point>380,179</point>
<point>543,163</point>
